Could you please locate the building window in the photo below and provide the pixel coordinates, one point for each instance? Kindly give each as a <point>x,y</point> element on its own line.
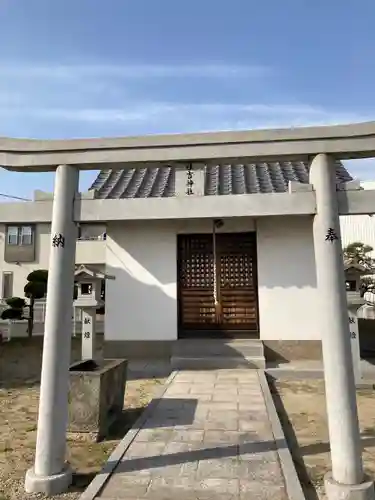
<point>26,235</point>
<point>7,288</point>
<point>13,235</point>
<point>20,235</point>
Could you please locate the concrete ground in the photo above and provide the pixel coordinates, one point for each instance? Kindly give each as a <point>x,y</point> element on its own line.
<point>208,437</point>
<point>314,369</point>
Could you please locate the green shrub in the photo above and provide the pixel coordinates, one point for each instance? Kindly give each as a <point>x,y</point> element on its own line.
<point>12,314</point>
<point>15,309</point>
<point>35,288</point>
<point>16,302</point>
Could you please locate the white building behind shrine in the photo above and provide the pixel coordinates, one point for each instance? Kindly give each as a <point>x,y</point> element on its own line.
<point>91,246</point>
<point>146,301</point>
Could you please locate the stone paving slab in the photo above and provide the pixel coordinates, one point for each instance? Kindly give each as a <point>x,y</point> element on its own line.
<point>209,438</point>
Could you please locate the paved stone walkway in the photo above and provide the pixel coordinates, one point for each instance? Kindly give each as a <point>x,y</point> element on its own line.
<point>208,438</point>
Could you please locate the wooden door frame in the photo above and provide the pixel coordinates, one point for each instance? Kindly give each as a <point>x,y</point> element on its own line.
<point>216,332</point>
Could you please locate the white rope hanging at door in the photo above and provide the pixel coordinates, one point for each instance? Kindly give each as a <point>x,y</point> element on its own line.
<point>214,261</point>
<point>215,224</point>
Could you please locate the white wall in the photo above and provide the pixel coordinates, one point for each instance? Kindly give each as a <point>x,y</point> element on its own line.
<point>90,252</point>
<point>288,306</point>
<point>141,303</point>
<point>87,252</point>
<point>141,300</point>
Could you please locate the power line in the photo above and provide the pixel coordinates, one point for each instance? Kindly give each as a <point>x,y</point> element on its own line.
<point>15,197</point>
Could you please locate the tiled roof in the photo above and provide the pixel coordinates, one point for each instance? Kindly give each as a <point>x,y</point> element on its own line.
<point>248,178</point>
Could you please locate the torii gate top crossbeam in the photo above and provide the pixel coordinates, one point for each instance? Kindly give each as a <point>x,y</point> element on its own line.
<point>342,141</point>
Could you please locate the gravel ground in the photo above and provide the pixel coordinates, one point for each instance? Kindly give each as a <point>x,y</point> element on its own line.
<point>302,411</point>
<point>20,363</point>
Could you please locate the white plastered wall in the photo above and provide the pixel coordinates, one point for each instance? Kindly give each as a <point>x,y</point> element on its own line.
<point>288,297</point>
<point>141,301</point>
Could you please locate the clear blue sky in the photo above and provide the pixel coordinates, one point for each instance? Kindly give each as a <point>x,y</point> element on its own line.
<point>84,68</point>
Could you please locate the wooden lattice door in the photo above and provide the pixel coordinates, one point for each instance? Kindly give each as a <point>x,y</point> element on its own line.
<point>235,282</point>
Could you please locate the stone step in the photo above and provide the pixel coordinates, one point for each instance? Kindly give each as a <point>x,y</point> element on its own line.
<point>217,362</point>
<point>207,348</point>
<point>203,354</point>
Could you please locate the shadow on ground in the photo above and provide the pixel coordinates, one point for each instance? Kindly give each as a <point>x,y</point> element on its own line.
<point>122,425</point>
<point>160,417</point>
<point>81,481</point>
<point>314,449</point>
<point>158,461</point>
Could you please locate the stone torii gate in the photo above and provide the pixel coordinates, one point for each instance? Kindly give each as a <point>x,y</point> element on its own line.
<point>318,145</point>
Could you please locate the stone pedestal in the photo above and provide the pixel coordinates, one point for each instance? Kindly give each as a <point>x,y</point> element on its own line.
<point>49,485</point>
<point>96,395</point>
<point>337,491</point>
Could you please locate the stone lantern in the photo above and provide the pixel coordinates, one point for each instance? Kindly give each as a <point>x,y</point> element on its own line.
<point>353,274</point>
<point>88,300</point>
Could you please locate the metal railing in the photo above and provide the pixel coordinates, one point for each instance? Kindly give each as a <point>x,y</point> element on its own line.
<point>101,237</point>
